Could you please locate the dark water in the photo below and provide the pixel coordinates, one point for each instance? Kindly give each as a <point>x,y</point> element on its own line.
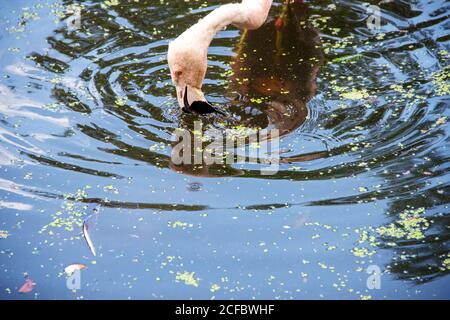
<point>87,117</point>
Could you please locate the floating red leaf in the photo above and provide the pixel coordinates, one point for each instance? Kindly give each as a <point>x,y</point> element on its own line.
<point>27,286</point>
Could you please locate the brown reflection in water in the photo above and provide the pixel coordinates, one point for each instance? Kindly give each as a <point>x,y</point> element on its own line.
<point>280,63</point>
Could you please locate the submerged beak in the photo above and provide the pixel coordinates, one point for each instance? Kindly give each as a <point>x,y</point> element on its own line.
<point>198,107</point>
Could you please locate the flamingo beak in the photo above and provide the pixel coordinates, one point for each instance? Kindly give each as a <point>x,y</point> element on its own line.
<point>198,107</point>
<point>186,102</point>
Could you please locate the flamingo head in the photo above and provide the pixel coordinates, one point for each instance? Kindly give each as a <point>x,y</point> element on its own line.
<point>187,70</point>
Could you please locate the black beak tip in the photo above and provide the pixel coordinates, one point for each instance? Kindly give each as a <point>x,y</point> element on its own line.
<point>203,107</point>
<point>198,107</point>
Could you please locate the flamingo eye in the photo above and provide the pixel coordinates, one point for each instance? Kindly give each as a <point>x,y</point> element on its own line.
<point>177,75</point>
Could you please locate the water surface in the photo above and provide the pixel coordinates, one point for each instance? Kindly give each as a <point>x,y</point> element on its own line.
<point>87,117</point>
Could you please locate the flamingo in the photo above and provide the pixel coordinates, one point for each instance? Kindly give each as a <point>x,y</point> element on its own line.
<point>187,54</point>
